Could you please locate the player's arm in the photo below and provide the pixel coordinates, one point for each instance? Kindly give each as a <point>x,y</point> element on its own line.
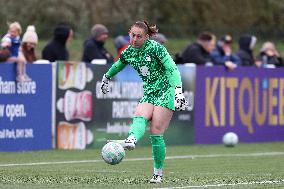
<point>115,68</point>
<point>166,60</point>
<point>174,77</point>
<point>172,71</point>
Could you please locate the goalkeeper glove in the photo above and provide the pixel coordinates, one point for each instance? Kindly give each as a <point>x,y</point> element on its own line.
<point>104,85</point>
<point>180,102</point>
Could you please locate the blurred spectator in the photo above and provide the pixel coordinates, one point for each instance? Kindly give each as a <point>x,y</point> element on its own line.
<point>29,42</point>
<point>160,38</point>
<point>12,42</point>
<point>121,43</point>
<point>94,46</point>
<point>56,48</point>
<point>223,55</point>
<point>268,56</point>
<point>4,54</point>
<point>12,39</point>
<point>245,52</point>
<point>199,51</point>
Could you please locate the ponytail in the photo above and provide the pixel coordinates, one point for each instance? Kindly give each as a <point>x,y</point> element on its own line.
<point>152,30</point>
<point>149,29</point>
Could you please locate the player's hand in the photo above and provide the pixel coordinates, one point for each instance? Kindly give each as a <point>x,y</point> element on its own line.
<point>180,102</point>
<point>104,86</point>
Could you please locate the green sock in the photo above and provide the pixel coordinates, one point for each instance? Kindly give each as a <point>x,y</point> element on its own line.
<point>158,150</point>
<point>138,127</point>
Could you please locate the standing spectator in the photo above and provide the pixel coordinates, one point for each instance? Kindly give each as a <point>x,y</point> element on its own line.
<point>223,54</point>
<point>199,51</point>
<point>121,43</point>
<point>245,52</point>
<point>94,46</point>
<point>29,42</point>
<point>12,42</point>
<point>56,48</point>
<point>268,56</point>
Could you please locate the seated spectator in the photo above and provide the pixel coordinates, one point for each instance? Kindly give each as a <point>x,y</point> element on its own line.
<point>94,46</point>
<point>268,56</point>
<point>5,57</point>
<point>121,43</point>
<point>29,42</point>
<point>160,38</point>
<point>199,51</point>
<point>12,39</point>
<point>223,55</point>
<point>11,42</point>
<point>56,49</point>
<point>245,52</point>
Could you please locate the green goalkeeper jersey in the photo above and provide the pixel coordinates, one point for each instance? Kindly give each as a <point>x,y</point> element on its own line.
<point>153,64</point>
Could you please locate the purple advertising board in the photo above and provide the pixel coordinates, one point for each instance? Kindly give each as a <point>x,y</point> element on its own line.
<point>248,101</point>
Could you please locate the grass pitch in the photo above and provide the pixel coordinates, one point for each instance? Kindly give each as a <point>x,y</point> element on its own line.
<point>258,166</point>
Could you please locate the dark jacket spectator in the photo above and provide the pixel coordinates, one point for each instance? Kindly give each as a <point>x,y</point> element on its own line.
<point>94,46</point>
<point>223,52</point>
<point>56,49</point>
<point>268,56</point>
<point>199,52</point>
<point>245,52</point>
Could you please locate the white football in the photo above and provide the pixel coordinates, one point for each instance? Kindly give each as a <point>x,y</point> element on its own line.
<point>113,153</point>
<point>230,139</point>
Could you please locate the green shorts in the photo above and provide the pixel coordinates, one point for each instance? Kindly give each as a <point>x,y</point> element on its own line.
<point>160,97</point>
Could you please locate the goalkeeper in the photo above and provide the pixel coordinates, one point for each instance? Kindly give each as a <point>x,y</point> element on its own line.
<point>162,90</point>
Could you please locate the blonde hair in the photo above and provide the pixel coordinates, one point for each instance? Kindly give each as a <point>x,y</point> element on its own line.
<point>269,46</point>
<point>15,25</point>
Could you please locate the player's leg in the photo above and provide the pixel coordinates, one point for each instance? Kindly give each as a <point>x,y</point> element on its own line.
<point>159,123</point>
<point>140,121</point>
<point>141,118</point>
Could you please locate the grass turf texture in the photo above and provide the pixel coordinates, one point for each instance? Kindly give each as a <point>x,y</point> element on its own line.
<point>225,168</point>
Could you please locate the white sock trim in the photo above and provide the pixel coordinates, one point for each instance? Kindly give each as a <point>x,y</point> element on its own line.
<point>158,172</point>
<point>132,138</point>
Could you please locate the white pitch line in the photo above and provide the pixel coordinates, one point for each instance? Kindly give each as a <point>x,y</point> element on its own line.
<point>146,159</point>
<point>233,184</point>
<point>227,155</point>
<point>49,163</point>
